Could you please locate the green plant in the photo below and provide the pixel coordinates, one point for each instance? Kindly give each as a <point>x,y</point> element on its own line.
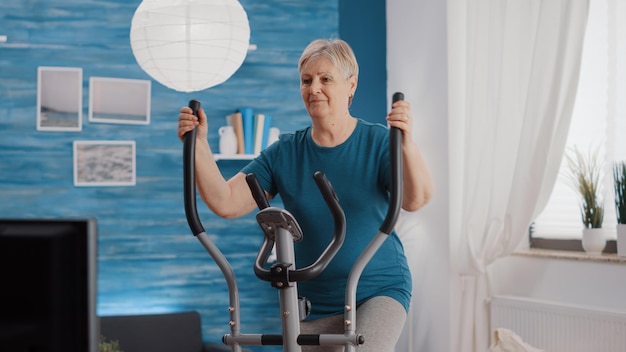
<point>585,177</point>
<point>107,345</point>
<point>619,177</point>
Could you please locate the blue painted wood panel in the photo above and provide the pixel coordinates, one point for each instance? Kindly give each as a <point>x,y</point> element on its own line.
<point>148,259</point>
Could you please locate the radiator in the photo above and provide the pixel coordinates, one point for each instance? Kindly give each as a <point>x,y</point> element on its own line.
<point>556,327</point>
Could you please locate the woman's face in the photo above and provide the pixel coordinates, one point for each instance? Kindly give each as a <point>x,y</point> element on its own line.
<point>324,89</point>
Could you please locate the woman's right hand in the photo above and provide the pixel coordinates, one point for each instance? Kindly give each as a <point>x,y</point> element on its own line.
<point>187,122</point>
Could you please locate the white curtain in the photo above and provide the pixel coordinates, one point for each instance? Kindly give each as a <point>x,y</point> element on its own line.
<point>513,73</point>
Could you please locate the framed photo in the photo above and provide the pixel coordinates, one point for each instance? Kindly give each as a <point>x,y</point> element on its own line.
<point>119,100</point>
<point>104,163</point>
<point>59,98</point>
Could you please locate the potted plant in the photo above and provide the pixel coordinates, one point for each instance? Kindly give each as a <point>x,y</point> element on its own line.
<point>619,178</point>
<point>107,345</point>
<point>585,177</point>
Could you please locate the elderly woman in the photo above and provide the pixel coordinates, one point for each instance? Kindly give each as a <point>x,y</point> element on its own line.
<point>354,156</point>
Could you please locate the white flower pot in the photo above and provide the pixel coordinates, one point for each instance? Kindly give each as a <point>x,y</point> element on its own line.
<point>594,241</point>
<point>621,240</point>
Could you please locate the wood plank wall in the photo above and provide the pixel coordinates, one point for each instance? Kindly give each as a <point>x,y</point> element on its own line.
<point>148,259</point>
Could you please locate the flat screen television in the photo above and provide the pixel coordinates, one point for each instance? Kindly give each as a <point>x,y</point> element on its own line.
<point>48,285</point>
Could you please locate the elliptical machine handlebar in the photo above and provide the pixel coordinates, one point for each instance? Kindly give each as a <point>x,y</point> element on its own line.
<point>189,174</point>
<point>339,233</point>
<point>395,154</point>
<point>393,212</point>
<point>257,191</point>
<point>268,243</point>
<point>189,184</point>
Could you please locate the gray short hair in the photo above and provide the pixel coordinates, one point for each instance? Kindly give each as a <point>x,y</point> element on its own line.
<point>336,50</point>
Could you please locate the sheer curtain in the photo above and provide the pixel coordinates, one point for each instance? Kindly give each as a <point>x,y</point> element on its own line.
<point>513,73</point>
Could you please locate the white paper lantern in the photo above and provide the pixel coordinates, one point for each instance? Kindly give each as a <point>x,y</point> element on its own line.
<point>190,45</point>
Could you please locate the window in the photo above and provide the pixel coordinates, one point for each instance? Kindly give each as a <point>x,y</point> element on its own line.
<point>598,121</point>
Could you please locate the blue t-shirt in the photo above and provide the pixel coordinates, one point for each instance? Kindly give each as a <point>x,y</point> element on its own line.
<point>358,170</point>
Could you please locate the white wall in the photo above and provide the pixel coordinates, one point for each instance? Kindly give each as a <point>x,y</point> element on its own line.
<point>416,66</point>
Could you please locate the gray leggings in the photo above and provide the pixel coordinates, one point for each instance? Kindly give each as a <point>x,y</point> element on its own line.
<point>380,320</point>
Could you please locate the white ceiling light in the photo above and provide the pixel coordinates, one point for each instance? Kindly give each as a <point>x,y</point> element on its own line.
<point>190,45</point>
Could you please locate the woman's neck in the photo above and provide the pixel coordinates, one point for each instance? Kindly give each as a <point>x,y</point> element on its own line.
<point>332,132</point>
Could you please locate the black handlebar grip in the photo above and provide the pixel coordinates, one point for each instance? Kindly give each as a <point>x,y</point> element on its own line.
<point>339,233</point>
<point>326,189</point>
<point>395,154</point>
<point>189,175</point>
<point>397,96</point>
<point>257,191</point>
<point>268,244</point>
<point>195,106</point>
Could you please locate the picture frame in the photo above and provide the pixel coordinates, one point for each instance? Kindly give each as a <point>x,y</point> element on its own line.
<point>59,98</point>
<point>119,100</point>
<point>104,163</point>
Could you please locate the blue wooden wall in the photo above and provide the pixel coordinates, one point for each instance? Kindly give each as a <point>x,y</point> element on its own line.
<point>148,259</point>
<point>364,27</point>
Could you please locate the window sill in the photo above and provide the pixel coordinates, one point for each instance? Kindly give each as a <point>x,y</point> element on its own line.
<point>570,255</point>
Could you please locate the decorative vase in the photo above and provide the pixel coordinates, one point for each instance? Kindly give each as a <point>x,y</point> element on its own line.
<point>228,140</point>
<point>621,240</point>
<point>273,135</point>
<point>594,241</point>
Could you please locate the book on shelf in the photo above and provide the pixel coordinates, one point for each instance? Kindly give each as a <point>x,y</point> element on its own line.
<point>262,124</point>
<point>267,123</point>
<point>259,121</point>
<point>236,120</point>
<point>247,118</point>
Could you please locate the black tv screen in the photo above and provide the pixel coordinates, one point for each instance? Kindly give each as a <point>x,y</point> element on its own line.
<point>48,285</point>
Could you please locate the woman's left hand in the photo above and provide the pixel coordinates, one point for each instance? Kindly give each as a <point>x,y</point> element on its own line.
<point>417,182</point>
<point>400,117</point>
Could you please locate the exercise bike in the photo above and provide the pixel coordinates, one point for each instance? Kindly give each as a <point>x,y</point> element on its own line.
<point>281,231</point>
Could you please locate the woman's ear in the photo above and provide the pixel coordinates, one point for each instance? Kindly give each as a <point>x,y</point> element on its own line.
<point>353,83</point>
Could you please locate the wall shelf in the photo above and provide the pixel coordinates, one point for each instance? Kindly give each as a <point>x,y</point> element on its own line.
<point>219,157</point>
